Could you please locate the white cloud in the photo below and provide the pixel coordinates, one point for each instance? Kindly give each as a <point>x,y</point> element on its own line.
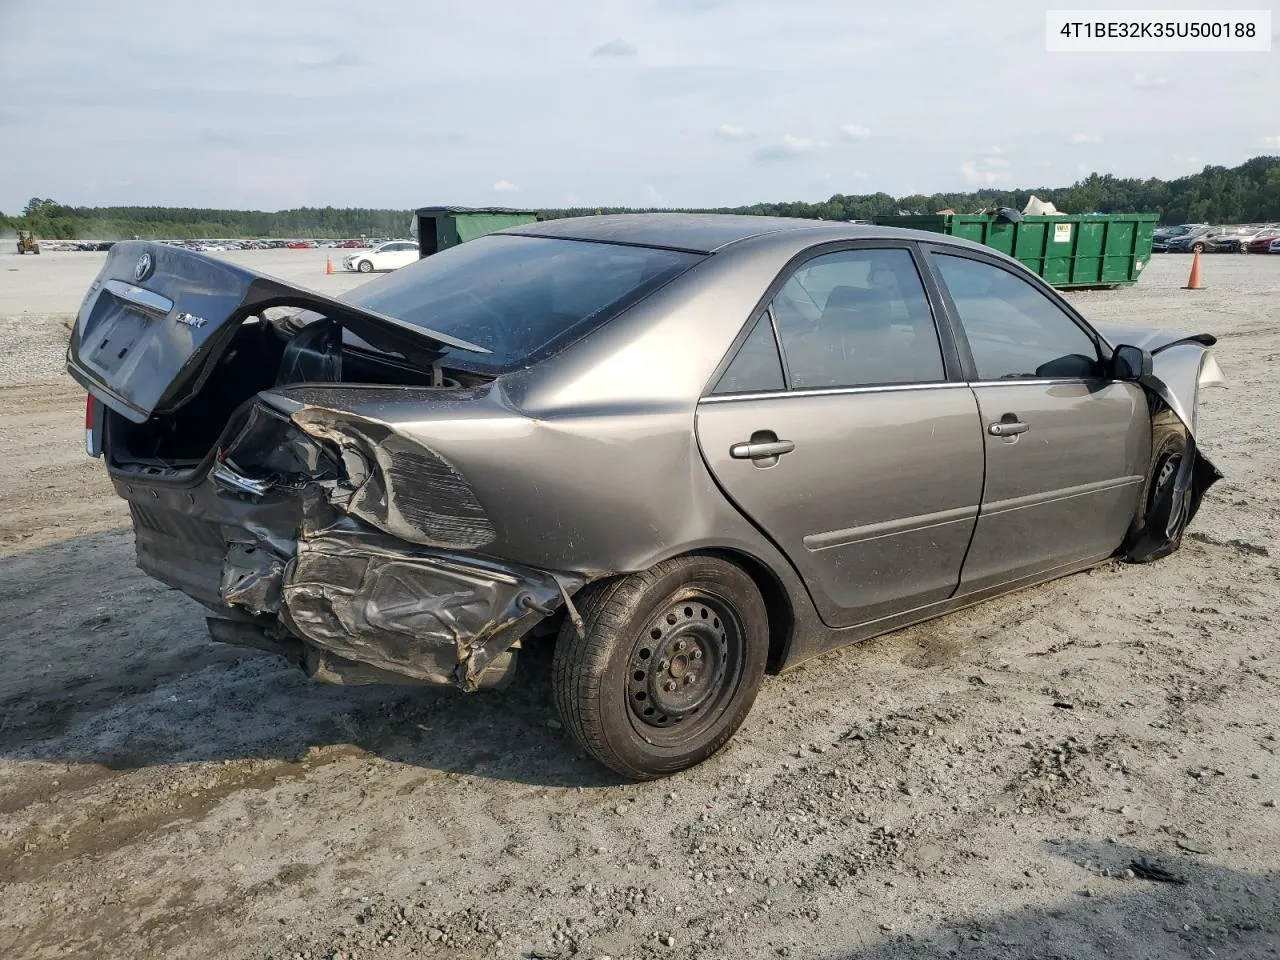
<point>1271,141</point>
<point>995,162</point>
<point>790,148</point>
<point>615,48</point>
<point>729,131</point>
<point>505,186</point>
<point>1147,81</point>
<point>1185,161</point>
<point>1085,138</point>
<point>993,151</point>
<point>980,177</point>
<point>853,131</point>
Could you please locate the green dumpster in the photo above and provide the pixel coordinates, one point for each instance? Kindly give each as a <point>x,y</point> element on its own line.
<point>1068,250</point>
<point>438,228</point>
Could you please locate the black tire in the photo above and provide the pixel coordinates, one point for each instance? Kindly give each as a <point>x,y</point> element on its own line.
<point>630,690</point>
<point>1168,447</point>
<point>1197,247</point>
<point>364,266</point>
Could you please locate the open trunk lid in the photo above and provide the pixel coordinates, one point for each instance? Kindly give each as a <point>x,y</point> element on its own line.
<point>157,317</point>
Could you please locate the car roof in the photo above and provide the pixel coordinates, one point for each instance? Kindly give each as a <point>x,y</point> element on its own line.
<point>696,232</point>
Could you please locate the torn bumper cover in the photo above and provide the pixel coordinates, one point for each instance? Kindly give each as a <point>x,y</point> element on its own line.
<point>414,612</point>
<point>345,551</point>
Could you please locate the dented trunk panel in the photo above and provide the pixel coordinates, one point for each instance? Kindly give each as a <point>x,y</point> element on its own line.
<point>158,316</point>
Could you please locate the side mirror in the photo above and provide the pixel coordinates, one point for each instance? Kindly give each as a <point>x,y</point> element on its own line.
<point>1130,363</point>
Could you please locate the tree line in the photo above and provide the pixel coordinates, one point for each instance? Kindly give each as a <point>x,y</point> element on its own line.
<point>1243,194</point>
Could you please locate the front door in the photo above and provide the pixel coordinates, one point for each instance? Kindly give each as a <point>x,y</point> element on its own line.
<point>1066,448</point>
<point>850,448</point>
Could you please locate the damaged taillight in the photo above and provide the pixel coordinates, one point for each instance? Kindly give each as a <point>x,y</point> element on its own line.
<point>397,483</point>
<point>268,450</point>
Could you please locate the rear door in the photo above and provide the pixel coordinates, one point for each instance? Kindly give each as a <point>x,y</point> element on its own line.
<point>856,448</point>
<point>1066,448</point>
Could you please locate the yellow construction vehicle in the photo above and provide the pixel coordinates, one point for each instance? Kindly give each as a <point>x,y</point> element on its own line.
<point>27,243</point>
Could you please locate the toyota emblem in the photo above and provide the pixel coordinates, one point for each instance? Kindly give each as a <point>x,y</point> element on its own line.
<point>142,269</point>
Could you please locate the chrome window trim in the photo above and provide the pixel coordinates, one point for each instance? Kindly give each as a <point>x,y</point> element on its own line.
<point>1034,382</point>
<point>895,387</point>
<point>833,391</point>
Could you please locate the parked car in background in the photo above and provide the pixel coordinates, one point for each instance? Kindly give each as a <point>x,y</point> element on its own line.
<point>689,448</point>
<point>1163,235</point>
<point>385,256</point>
<point>1262,242</point>
<point>1237,239</point>
<point>1227,242</point>
<point>351,244</point>
<point>1275,245</point>
<point>1193,240</point>
<point>301,245</point>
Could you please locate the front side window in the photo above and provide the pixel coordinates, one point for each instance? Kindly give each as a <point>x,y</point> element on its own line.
<point>1014,330</point>
<point>520,298</point>
<point>857,318</point>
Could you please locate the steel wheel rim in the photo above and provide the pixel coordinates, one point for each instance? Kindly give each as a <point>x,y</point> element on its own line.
<point>684,668</point>
<point>1166,470</point>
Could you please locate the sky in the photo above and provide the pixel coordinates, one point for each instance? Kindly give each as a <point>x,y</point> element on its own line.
<point>394,103</point>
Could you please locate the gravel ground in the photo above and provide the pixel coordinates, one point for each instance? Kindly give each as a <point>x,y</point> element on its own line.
<point>1007,782</point>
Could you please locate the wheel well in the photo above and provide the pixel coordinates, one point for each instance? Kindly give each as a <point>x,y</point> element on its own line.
<point>776,602</point>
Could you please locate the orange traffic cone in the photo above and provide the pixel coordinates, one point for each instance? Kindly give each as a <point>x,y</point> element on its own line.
<point>1193,281</point>
<point>328,266</point>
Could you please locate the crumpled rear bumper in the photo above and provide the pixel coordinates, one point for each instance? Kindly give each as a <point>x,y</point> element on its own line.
<point>289,568</point>
<point>427,615</point>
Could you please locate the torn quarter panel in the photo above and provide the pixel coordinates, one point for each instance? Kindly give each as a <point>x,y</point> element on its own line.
<point>397,484</point>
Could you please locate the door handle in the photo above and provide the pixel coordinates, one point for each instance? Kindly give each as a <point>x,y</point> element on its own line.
<point>1007,426</point>
<point>760,449</point>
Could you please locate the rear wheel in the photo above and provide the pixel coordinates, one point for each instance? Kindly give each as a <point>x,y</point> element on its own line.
<point>668,668</point>
<point>1197,247</point>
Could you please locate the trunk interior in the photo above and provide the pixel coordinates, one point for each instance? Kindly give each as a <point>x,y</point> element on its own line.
<point>262,354</point>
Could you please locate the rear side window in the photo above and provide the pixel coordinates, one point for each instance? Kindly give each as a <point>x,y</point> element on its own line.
<point>757,366</point>
<point>520,298</point>
<point>1014,330</point>
<point>857,318</point>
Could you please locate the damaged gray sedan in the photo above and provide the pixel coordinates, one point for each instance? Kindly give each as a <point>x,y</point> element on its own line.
<point>693,448</point>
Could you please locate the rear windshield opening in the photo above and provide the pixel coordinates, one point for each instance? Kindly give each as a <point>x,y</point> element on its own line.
<point>521,298</point>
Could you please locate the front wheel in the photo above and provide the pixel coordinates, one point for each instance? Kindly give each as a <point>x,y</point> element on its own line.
<point>1197,248</point>
<point>1168,448</point>
<point>668,666</point>
<point>365,267</point>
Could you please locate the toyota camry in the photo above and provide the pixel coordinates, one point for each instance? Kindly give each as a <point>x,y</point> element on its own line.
<point>691,449</point>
